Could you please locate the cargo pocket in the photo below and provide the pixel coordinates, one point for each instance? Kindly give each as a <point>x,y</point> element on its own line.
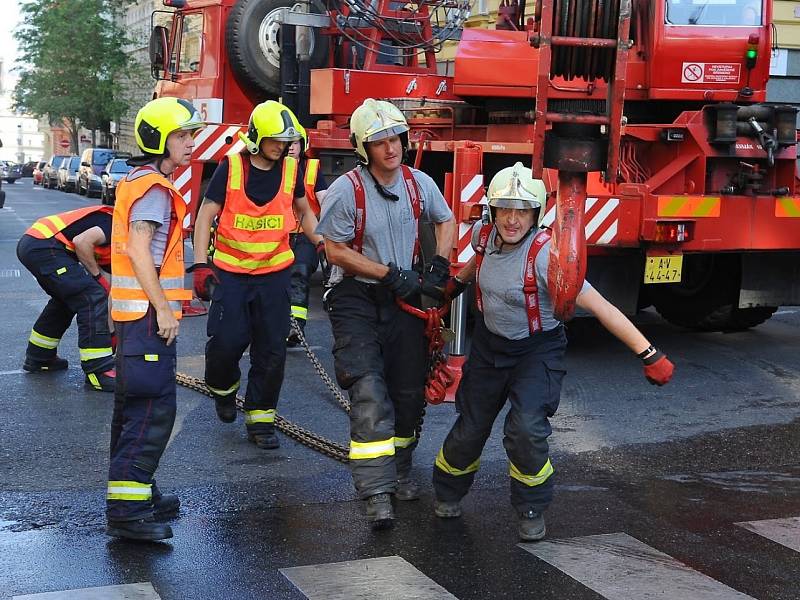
<point>148,375</point>
<point>63,279</point>
<point>215,312</point>
<point>555,377</point>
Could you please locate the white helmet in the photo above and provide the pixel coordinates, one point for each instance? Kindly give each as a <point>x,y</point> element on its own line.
<point>376,120</point>
<point>515,187</point>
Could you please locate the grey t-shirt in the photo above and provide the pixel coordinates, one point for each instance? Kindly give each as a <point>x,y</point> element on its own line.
<point>155,206</point>
<point>390,229</point>
<point>501,278</point>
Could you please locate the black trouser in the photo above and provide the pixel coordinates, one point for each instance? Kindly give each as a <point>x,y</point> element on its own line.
<point>529,374</point>
<point>249,310</point>
<point>72,292</point>
<point>380,359</point>
<point>305,265</point>
<point>144,412</point>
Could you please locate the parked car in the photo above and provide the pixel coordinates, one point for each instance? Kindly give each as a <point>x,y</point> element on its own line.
<point>50,172</point>
<point>38,171</point>
<point>115,170</point>
<point>27,168</point>
<point>10,171</point>
<point>93,160</point>
<point>68,173</point>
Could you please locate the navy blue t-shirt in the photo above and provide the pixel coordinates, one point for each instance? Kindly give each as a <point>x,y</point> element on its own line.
<point>97,219</point>
<point>259,185</point>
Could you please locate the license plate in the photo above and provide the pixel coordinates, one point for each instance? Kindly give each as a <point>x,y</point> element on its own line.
<point>663,269</point>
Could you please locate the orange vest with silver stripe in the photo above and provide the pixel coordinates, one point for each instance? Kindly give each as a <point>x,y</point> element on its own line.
<point>128,300</point>
<point>52,226</point>
<point>309,185</point>
<point>253,239</point>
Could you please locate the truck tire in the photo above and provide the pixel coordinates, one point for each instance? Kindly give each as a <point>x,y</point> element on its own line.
<point>253,43</point>
<point>707,300</point>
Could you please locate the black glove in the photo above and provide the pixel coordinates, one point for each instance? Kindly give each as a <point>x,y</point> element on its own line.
<point>435,278</point>
<point>453,288</point>
<point>403,283</point>
<point>323,262</point>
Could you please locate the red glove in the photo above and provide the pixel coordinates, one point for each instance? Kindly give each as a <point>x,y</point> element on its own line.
<point>203,278</point>
<point>658,368</point>
<point>101,279</point>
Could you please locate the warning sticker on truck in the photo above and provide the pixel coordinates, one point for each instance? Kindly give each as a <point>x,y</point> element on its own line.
<point>697,72</point>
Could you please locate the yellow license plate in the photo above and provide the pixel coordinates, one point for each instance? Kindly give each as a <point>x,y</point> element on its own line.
<point>663,269</point>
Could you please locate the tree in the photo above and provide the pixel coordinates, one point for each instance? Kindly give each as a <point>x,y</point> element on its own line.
<point>71,62</point>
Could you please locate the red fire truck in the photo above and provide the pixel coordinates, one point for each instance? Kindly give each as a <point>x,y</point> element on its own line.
<point>671,177</point>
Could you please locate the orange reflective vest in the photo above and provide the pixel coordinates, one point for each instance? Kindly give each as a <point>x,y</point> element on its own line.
<point>52,227</point>
<point>253,239</point>
<point>128,300</point>
<point>310,184</point>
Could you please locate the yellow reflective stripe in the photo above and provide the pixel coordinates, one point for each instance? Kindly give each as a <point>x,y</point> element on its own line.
<point>235,167</point>
<point>404,442</point>
<point>129,490</point>
<point>48,343</point>
<point>220,392</point>
<point>300,312</point>
<point>787,207</point>
<point>261,247</point>
<point>57,222</point>
<point>312,166</point>
<point>247,263</point>
<point>151,357</point>
<point>289,175</point>
<point>43,229</point>
<point>92,353</point>
<point>259,416</point>
<point>364,450</point>
<point>531,480</point>
<point>442,464</point>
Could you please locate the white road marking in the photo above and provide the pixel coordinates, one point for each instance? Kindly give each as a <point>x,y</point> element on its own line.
<point>386,578</point>
<point>16,372</point>
<point>134,591</point>
<point>616,565</point>
<point>785,312</point>
<point>784,531</point>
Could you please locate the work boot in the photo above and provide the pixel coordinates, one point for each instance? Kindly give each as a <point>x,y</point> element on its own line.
<point>226,407</point>
<point>166,506</point>
<point>143,529</point>
<point>380,512</point>
<point>406,490</point>
<point>531,526</point>
<point>446,510</point>
<point>102,382</point>
<point>54,363</point>
<point>266,440</point>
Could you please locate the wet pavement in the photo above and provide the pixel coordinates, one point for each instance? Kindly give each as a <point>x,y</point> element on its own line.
<point>690,472</point>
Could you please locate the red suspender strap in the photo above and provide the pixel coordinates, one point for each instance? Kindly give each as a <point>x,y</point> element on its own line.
<point>361,209</point>
<point>529,285</point>
<point>480,250</point>
<point>414,195</point>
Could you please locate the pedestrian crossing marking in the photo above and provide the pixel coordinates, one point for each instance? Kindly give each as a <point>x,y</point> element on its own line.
<point>385,578</point>
<point>786,532</point>
<point>616,565</point>
<point>133,591</point>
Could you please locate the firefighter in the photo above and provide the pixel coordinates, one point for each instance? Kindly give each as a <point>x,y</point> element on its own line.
<point>517,353</point>
<point>66,254</point>
<point>254,194</point>
<point>146,297</point>
<point>370,224</point>
<point>306,256</point>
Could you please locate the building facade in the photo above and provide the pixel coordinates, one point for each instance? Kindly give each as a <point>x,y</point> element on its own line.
<point>19,133</point>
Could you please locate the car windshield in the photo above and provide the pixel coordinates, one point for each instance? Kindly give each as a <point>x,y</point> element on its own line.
<point>74,163</point>
<point>714,12</point>
<point>101,157</point>
<point>120,166</point>
<point>41,164</point>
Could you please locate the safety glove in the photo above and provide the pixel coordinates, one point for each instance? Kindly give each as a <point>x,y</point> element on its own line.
<point>323,262</point>
<point>454,288</point>
<point>436,277</point>
<point>657,367</point>
<point>203,279</point>
<point>103,281</point>
<point>404,283</point>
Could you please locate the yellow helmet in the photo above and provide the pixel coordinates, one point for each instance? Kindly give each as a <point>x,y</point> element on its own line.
<point>375,120</point>
<point>160,117</point>
<point>515,187</point>
<point>271,120</point>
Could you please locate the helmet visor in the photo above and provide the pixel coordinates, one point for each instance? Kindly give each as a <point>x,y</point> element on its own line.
<point>518,203</point>
<point>385,132</point>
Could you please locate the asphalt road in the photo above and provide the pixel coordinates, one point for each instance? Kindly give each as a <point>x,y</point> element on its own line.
<point>687,491</point>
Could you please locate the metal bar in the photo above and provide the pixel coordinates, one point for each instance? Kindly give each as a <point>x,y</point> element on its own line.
<point>554,117</point>
<point>542,87</point>
<point>616,92</point>
<point>458,323</point>
<point>562,40</point>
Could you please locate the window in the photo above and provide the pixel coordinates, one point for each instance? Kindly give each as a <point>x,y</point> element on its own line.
<point>191,43</point>
<point>744,13</point>
<point>101,157</point>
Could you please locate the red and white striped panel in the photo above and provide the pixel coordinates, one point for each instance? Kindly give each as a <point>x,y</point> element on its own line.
<point>210,145</point>
<point>471,191</point>
<point>602,219</point>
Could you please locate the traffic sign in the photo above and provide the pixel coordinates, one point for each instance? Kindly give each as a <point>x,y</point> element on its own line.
<point>64,143</point>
